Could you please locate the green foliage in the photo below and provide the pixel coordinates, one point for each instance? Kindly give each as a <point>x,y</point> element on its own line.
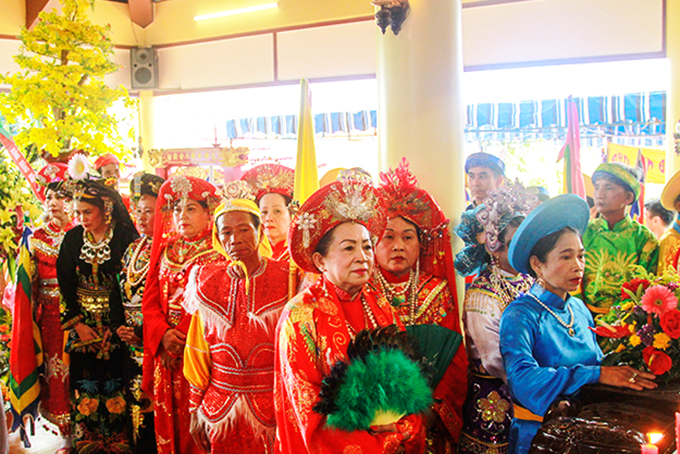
<point>59,99</point>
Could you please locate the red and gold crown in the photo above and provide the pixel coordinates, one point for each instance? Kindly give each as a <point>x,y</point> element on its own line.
<point>180,188</point>
<point>333,204</point>
<point>267,178</point>
<point>401,197</point>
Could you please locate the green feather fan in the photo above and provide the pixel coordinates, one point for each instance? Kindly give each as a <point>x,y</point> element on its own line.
<point>384,379</point>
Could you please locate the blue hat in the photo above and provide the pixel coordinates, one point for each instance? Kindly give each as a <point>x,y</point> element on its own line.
<point>485,160</point>
<point>549,217</point>
<point>541,192</point>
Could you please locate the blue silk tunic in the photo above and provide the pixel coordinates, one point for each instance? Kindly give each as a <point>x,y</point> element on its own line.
<point>542,361</point>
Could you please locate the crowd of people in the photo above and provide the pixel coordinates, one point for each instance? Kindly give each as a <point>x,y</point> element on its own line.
<point>188,318</point>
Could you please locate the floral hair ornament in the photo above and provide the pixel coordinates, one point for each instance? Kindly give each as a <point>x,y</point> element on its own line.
<point>79,167</point>
<point>333,204</point>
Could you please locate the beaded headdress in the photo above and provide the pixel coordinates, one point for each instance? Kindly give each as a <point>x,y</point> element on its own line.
<point>268,178</point>
<point>480,228</point>
<point>333,204</point>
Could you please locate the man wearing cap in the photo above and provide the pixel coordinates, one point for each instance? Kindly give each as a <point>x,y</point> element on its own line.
<point>670,241</point>
<point>108,166</point>
<point>614,242</point>
<point>485,172</point>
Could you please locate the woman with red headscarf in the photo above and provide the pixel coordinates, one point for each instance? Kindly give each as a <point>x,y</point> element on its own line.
<point>182,240</point>
<point>415,273</point>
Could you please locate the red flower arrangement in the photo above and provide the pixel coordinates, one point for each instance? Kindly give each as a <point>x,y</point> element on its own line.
<point>643,329</point>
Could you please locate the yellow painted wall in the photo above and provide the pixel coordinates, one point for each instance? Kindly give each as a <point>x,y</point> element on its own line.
<point>174,19</point>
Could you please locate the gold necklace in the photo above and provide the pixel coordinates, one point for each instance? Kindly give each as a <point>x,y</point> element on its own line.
<point>570,326</point>
<point>136,275</point>
<point>397,298</point>
<point>368,317</point>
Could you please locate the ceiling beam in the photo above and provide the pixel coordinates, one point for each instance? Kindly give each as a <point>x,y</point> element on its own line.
<point>141,12</point>
<point>35,7</point>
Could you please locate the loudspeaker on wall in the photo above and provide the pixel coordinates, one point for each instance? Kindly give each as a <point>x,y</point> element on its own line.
<point>144,67</point>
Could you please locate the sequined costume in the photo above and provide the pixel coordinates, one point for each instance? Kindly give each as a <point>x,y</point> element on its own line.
<point>90,296</point>
<point>132,281</point>
<point>229,359</point>
<point>55,404</point>
<point>487,413</point>
<point>162,309</point>
<point>312,336</point>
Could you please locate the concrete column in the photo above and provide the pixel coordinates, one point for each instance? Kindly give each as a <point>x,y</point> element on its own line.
<point>673,94</point>
<point>420,113</point>
<point>146,128</point>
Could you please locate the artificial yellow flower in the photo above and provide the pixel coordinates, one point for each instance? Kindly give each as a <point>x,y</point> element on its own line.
<point>620,348</point>
<point>661,341</point>
<point>634,340</point>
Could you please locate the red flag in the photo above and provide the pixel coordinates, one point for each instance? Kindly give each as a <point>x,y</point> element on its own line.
<point>571,152</point>
<point>21,162</point>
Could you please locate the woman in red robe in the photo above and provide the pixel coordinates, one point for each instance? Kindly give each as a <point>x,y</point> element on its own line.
<point>55,404</point>
<point>415,273</point>
<point>182,240</point>
<point>333,234</point>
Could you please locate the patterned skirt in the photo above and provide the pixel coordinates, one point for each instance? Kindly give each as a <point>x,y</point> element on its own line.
<point>487,414</point>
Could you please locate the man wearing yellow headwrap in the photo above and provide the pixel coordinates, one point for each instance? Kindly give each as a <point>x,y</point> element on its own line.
<point>229,354</point>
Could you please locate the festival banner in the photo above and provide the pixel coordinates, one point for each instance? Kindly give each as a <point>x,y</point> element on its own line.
<point>26,356</point>
<point>20,160</point>
<point>654,160</point>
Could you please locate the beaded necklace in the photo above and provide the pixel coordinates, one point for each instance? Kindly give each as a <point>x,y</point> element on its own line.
<point>368,318</point>
<point>504,289</point>
<point>398,297</point>
<point>135,275</point>
<point>570,326</point>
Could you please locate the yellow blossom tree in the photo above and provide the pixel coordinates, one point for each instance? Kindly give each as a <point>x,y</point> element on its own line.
<point>59,100</point>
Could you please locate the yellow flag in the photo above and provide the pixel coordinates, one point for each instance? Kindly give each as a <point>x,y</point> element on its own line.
<point>306,176</point>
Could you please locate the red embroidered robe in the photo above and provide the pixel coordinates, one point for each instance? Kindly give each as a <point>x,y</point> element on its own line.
<point>55,401</point>
<point>312,335</point>
<point>162,309</point>
<point>229,358</point>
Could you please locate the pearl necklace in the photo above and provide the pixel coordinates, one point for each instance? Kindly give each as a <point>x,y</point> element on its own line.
<point>570,326</point>
<point>368,317</point>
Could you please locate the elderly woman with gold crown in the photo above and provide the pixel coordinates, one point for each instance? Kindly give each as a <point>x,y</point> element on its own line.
<point>415,274</point>
<point>182,240</point>
<point>343,383</point>
<point>229,359</point>
<point>487,232</point>
<point>144,192</point>
<point>88,264</point>
<point>55,405</point>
